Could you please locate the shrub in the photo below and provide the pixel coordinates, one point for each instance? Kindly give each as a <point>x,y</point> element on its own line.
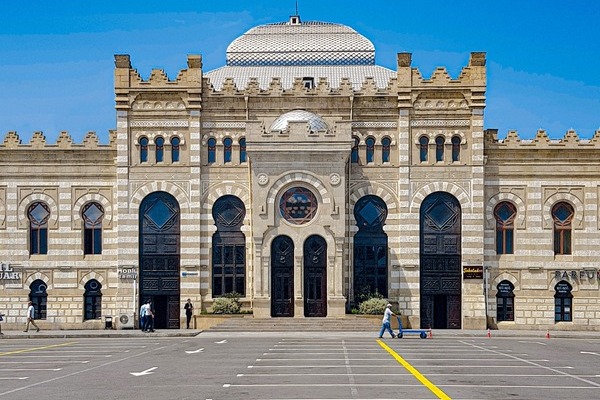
<point>228,304</point>
<point>372,306</point>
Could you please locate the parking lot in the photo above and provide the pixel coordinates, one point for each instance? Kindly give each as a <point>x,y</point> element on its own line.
<point>299,366</point>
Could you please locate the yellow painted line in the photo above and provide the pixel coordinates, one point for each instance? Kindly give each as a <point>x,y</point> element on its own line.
<point>36,348</point>
<point>437,391</point>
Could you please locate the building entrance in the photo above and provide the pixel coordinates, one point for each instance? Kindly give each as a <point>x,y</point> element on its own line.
<point>440,260</point>
<point>159,257</point>
<point>282,277</point>
<point>315,277</point>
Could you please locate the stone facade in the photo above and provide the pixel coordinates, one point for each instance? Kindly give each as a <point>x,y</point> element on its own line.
<point>343,139</point>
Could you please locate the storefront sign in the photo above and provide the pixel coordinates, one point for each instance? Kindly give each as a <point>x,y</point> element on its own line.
<point>8,273</point>
<point>127,273</point>
<point>578,275</point>
<point>473,272</point>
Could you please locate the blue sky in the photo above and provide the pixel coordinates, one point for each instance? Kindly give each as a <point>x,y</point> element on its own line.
<point>56,69</point>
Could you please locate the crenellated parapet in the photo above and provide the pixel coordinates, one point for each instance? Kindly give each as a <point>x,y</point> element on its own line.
<point>468,89</point>
<point>541,140</point>
<point>320,87</point>
<point>63,142</point>
<point>129,84</point>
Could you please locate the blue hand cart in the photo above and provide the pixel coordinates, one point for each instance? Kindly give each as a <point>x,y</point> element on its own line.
<point>421,332</point>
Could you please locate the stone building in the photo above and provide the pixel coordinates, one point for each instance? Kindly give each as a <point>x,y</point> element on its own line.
<point>305,178</point>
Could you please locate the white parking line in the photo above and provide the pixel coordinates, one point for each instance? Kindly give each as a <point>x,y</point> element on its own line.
<point>29,369</point>
<point>554,369</point>
<point>55,356</point>
<point>324,366</point>
<point>14,378</point>
<point>79,371</point>
<point>74,351</point>
<point>46,362</point>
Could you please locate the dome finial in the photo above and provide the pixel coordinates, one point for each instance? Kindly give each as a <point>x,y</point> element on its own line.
<point>295,19</point>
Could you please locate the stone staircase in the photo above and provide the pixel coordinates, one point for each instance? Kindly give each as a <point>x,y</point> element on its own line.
<point>349,323</point>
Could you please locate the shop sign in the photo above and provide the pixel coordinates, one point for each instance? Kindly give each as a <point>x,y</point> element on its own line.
<point>473,272</point>
<point>578,275</point>
<point>8,273</point>
<point>127,273</point>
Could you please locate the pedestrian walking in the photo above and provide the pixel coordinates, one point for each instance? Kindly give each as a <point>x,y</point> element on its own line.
<point>30,316</point>
<point>143,316</point>
<point>149,317</point>
<point>189,311</point>
<point>385,323</point>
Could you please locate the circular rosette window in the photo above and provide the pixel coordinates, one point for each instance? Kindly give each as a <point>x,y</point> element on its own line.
<point>298,205</point>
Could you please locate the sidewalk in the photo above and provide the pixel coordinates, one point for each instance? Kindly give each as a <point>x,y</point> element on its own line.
<point>97,333</point>
<point>441,333</point>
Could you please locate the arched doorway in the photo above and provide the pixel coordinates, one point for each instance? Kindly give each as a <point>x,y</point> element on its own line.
<point>282,277</point>
<point>315,277</point>
<point>440,260</point>
<point>370,249</point>
<point>39,298</point>
<point>159,257</point>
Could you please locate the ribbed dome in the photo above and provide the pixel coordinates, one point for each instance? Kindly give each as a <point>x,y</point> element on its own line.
<point>316,123</point>
<point>300,43</point>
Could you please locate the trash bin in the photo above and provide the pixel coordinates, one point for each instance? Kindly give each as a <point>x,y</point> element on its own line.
<point>107,322</point>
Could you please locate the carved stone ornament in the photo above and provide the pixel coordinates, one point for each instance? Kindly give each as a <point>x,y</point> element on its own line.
<point>263,179</point>
<point>335,179</point>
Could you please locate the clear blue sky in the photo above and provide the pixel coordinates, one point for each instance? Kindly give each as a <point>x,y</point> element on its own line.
<point>56,70</point>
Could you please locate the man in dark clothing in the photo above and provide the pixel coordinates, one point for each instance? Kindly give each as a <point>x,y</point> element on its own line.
<point>189,311</point>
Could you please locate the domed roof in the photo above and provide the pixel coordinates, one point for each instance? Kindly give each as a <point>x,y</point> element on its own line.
<point>300,50</point>
<point>316,123</point>
<point>300,43</point>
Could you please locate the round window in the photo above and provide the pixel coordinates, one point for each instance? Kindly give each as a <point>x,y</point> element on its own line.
<point>298,205</point>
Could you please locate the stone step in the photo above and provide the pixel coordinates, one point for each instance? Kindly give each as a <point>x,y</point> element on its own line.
<point>249,324</point>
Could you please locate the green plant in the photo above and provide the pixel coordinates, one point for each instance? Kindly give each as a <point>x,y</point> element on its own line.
<point>228,304</point>
<point>372,306</point>
<point>365,293</point>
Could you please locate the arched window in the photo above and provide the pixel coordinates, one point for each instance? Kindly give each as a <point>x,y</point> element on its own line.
<point>160,148</point>
<point>505,214</point>
<point>212,150</point>
<point>562,214</point>
<point>385,149</point>
<point>227,150</point>
<point>143,149</point>
<point>229,247</point>
<point>92,215</point>
<point>563,302</point>
<point>439,149</point>
<point>370,149</point>
<point>456,148</point>
<point>175,149</point>
<point>354,154</point>
<point>370,248</point>
<point>38,296</point>
<point>505,302</point>
<point>38,214</point>
<point>423,148</point>
<point>92,299</point>
<point>242,150</point>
